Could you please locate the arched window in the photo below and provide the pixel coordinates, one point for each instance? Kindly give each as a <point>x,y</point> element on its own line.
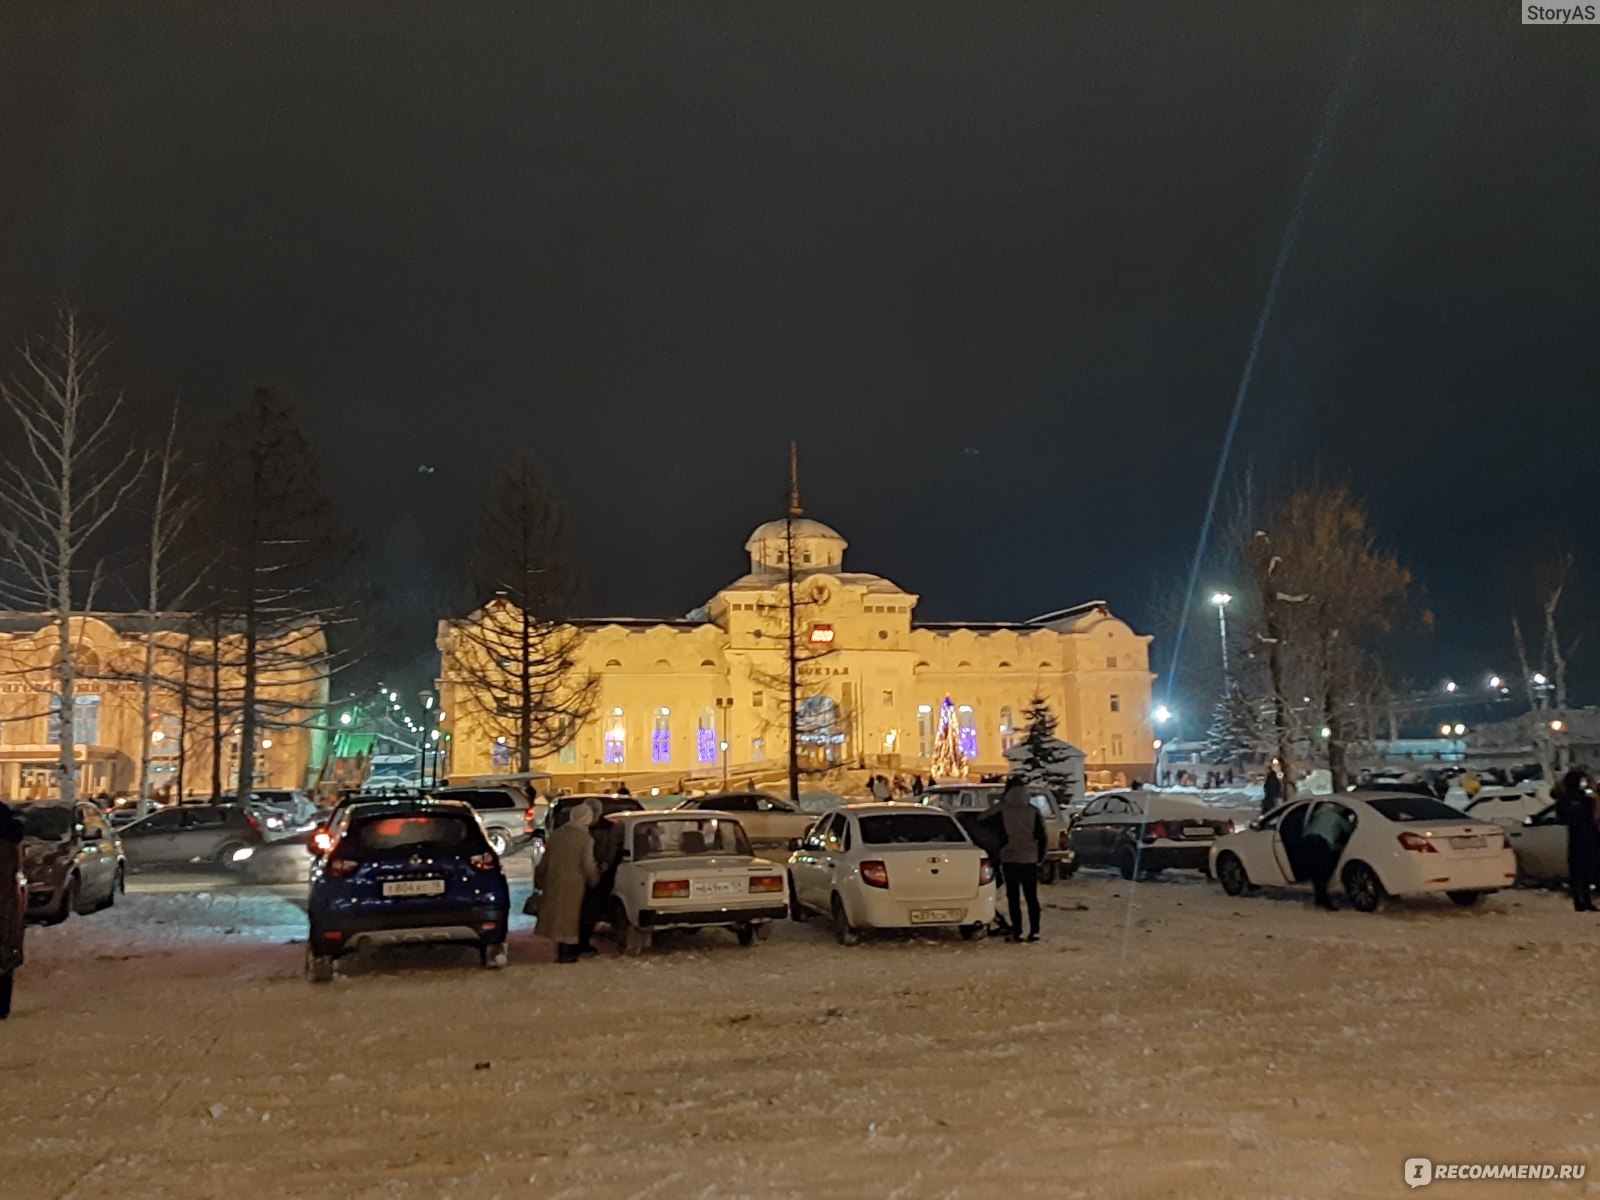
<point>613,662</point>
<point>1008,730</point>
<point>616,737</point>
<point>705,738</point>
<point>661,737</point>
<point>706,662</point>
<point>968,726</point>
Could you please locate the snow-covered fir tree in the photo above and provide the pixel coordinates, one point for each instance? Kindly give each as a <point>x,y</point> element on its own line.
<point>1045,755</point>
<point>1235,731</point>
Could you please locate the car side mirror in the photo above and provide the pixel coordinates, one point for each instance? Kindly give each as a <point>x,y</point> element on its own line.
<point>794,844</point>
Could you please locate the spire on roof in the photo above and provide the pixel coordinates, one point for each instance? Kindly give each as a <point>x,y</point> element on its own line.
<point>794,481</point>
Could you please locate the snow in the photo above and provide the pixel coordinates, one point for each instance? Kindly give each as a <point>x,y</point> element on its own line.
<point>1162,1041</point>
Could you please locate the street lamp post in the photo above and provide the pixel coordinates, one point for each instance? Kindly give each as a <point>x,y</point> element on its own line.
<point>1222,600</point>
<point>724,711</point>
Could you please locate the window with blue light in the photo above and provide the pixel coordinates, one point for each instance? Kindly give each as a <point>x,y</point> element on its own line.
<point>661,738</point>
<point>705,738</point>
<point>968,732</point>
<point>615,738</point>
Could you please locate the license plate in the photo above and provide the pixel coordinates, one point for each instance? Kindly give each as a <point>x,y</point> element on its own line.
<point>1468,843</point>
<point>937,916</point>
<point>1199,831</point>
<point>415,887</point>
<point>717,887</point>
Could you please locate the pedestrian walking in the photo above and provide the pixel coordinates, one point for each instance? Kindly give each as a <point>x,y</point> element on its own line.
<point>879,787</point>
<point>1575,807</point>
<point>622,789</point>
<point>1024,850</point>
<point>607,836</point>
<point>916,785</point>
<point>13,904</point>
<point>1271,788</point>
<point>565,873</point>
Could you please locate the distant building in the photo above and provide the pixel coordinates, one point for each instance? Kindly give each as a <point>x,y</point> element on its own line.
<point>674,692</point>
<point>109,651</point>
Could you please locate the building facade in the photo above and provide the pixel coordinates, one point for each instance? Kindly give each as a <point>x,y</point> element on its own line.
<point>708,695</point>
<point>195,707</point>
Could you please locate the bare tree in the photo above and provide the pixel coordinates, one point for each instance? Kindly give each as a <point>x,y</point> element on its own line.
<point>76,466</point>
<point>516,654</point>
<point>1545,681</point>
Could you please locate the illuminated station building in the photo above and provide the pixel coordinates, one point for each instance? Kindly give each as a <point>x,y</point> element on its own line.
<point>696,698</point>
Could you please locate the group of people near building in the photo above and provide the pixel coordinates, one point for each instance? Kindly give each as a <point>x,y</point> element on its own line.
<point>575,878</point>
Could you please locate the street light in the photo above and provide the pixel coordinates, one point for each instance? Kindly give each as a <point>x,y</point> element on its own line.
<point>345,718</point>
<point>724,712</point>
<point>1450,685</point>
<point>1222,600</point>
<point>1162,714</point>
<point>1495,682</point>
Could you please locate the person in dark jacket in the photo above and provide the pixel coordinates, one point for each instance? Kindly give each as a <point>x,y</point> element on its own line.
<point>607,835</point>
<point>1271,788</point>
<point>1024,850</point>
<point>1575,806</point>
<point>13,904</point>
<point>988,833</point>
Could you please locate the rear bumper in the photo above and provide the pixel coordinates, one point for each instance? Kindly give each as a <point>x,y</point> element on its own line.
<point>479,924</point>
<point>880,910</point>
<point>1177,857</point>
<point>700,918</point>
<point>1458,875</point>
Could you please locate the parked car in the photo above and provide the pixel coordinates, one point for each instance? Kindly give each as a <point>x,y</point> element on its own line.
<point>692,870</point>
<point>190,833</point>
<point>767,820</point>
<point>1144,830</point>
<point>503,810</point>
<point>969,801</point>
<point>891,866</point>
<point>296,807</point>
<point>407,870</point>
<point>73,860</point>
<point>1540,844</point>
<point>1508,807</point>
<point>1386,845</point>
<point>559,808</point>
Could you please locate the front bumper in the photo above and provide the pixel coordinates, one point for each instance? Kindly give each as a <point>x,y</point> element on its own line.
<point>702,918</point>
<point>478,924</point>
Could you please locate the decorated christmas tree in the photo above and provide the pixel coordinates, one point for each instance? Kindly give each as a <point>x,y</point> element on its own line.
<point>948,761</point>
<point>1044,755</point>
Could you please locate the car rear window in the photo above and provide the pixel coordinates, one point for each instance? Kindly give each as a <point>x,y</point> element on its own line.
<point>887,829</point>
<point>413,833</point>
<point>484,800</point>
<point>52,822</point>
<point>1415,808</point>
<point>689,836</point>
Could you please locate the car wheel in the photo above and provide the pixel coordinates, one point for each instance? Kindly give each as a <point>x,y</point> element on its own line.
<point>5,994</point>
<point>68,905</point>
<point>493,956</point>
<point>225,855</point>
<point>969,932</point>
<point>117,885</point>
<point>746,934</point>
<point>796,911</point>
<point>1363,888</point>
<point>1128,862</point>
<point>319,967</point>
<point>1466,899</point>
<point>629,936</point>
<point>1231,873</point>
<point>1047,871</point>
<point>846,933</point>
<point>499,842</point>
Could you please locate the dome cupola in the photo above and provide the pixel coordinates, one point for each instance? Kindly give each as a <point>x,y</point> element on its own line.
<point>815,547</point>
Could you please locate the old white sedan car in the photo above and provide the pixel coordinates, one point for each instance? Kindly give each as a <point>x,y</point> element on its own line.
<point>1386,845</point>
<point>891,866</point>
<point>683,870</point>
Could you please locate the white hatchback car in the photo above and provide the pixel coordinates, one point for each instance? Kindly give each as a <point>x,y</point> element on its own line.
<point>891,866</point>
<point>1390,844</point>
<point>683,870</point>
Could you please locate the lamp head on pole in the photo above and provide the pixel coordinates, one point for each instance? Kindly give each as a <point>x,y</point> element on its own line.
<point>1221,599</point>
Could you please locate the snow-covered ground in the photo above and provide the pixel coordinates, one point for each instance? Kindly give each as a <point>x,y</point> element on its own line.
<point>1162,1041</point>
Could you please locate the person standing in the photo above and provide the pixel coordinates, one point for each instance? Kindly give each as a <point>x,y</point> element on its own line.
<point>565,873</point>
<point>1575,806</point>
<point>1024,850</point>
<point>879,787</point>
<point>607,836</point>
<point>1271,788</point>
<point>13,904</point>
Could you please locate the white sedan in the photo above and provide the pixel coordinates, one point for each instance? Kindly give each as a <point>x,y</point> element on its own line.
<point>891,866</point>
<point>691,871</point>
<point>1386,845</point>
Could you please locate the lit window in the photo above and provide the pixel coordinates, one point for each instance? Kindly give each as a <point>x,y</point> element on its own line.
<point>661,738</point>
<point>705,739</point>
<point>569,754</point>
<point>616,737</point>
<point>1116,702</point>
<point>968,727</point>
<point>758,749</point>
<point>822,633</point>
<point>924,730</point>
<point>85,721</point>
<point>1008,733</point>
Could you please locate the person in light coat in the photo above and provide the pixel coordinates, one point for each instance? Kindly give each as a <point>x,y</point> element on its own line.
<point>565,873</point>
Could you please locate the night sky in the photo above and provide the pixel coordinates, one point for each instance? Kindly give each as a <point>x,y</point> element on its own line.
<point>996,265</point>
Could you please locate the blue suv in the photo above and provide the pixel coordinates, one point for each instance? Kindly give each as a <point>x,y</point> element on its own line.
<point>406,870</point>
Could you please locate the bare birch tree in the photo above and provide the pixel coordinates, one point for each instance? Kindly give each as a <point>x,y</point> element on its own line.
<point>72,466</point>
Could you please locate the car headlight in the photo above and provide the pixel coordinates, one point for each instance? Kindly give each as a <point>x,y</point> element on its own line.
<point>243,853</point>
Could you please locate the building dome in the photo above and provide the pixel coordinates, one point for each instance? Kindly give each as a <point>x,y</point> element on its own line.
<point>816,547</point>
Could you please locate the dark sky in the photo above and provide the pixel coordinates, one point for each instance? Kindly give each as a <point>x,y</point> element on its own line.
<point>997,265</point>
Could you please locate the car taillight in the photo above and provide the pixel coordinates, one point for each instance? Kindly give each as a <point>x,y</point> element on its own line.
<point>985,872</point>
<point>1158,830</point>
<point>528,818</point>
<point>485,861</point>
<point>669,889</point>
<point>1418,843</point>
<point>321,842</point>
<point>341,867</point>
<point>250,820</point>
<point>766,883</point>
<point>874,874</point>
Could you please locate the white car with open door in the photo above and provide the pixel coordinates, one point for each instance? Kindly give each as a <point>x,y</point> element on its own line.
<point>891,866</point>
<point>691,870</point>
<point>1385,845</point>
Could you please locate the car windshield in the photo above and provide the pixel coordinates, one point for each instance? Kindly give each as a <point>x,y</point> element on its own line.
<point>1415,808</point>
<point>413,833</point>
<point>52,822</point>
<point>683,838</point>
<point>886,829</point>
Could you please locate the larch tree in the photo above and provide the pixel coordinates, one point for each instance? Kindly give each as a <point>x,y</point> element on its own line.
<point>517,655</point>
<point>67,468</point>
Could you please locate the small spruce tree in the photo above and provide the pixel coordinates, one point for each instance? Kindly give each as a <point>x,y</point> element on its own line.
<point>1235,730</point>
<point>1046,757</point>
